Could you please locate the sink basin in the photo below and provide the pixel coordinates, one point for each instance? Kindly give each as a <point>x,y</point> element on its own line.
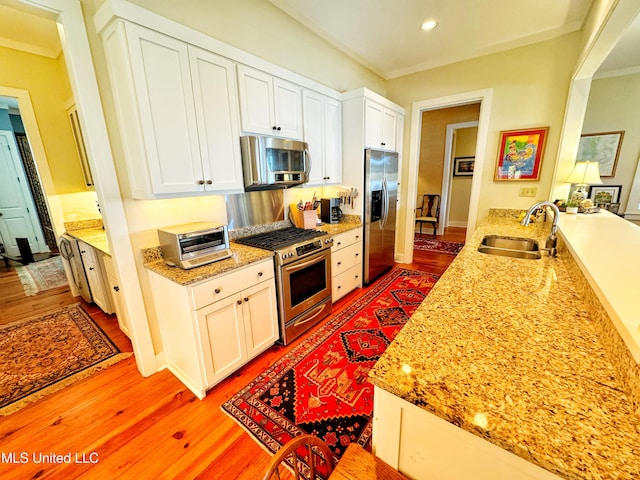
<point>514,247</point>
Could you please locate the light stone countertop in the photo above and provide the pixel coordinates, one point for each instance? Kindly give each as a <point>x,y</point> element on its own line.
<point>90,232</point>
<point>511,342</point>
<point>242,256</point>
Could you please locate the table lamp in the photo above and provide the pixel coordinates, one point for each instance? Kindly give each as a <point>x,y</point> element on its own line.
<point>583,175</point>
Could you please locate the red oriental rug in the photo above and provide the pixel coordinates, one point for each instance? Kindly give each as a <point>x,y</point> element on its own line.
<point>321,386</point>
<point>427,243</point>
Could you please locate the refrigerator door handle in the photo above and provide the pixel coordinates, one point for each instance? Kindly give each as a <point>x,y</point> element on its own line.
<point>385,203</point>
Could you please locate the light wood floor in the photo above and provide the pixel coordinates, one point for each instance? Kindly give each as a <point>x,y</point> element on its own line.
<point>138,428</point>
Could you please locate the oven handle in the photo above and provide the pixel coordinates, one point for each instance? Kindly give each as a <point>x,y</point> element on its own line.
<point>306,263</point>
<point>318,311</point>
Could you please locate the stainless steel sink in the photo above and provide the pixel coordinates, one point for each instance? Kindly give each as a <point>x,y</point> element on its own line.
<point>514,247</point>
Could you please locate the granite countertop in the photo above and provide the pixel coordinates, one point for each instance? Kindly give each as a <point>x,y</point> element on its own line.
<point>506,349</point>
<point>349,222</point>
<point>242,255</point>
<point>90,232</point>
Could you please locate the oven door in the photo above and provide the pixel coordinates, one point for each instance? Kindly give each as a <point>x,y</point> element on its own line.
<point>304,284</point>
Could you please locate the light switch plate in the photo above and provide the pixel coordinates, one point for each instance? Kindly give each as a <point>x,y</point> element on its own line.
<point>528,192</point>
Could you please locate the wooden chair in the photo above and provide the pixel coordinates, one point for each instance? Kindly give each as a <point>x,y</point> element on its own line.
<point>306,451</point>
<point>429,211</point>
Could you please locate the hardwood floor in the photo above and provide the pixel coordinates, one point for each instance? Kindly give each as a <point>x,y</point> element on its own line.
<point>117,424</point>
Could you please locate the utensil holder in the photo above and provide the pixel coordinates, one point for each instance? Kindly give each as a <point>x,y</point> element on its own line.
<point>302,218</point>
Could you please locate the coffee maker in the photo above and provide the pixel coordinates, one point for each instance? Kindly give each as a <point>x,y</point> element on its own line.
<point>330,211</point>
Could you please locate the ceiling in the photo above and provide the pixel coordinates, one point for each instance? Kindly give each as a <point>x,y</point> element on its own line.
<point>385,35</point>
<point>388,38</point>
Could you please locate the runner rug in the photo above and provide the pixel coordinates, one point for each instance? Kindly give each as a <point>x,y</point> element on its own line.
<point>41,275</point>
<point>321,386</point>
<point>427,243</point>
<point>41,355</point>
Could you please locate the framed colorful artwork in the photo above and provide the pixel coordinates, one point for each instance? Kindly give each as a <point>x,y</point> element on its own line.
<point>463,166</point>
<point>603,148</point>
<point>520,154</point>
<point>603,194</point>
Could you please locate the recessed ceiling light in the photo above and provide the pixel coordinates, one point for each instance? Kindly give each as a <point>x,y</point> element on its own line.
<point>429,25</point>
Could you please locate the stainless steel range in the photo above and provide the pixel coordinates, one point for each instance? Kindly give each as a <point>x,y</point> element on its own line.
<point>303,276</point>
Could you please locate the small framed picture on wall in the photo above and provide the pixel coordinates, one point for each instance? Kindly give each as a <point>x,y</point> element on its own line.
<point>463,166</point>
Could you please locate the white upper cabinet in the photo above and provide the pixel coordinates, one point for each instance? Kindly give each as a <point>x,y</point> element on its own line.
<point>178,113</point>
<point>269,105</point>
<point>323,132</point>
<point>380,126</point>
<point>218,119</point>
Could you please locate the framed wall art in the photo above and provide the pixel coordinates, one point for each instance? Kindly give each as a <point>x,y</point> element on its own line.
<point>520,154</point>
<point>603,148</point>
<point>463,166</point>
<point>604,194</point>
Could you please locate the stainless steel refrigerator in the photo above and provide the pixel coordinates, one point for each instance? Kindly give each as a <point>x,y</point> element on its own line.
<point>380,195</point>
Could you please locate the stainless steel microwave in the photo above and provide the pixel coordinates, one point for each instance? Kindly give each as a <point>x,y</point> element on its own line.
<point>272,162</point>
<point>194,244</point>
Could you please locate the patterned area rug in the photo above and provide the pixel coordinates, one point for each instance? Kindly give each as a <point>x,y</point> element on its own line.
<point>321,387</point>
<point>426,242</point>
<point>42,275</point>
<point>42,355</point>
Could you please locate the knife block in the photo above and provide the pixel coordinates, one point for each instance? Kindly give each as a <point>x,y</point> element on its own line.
<point>303,218</point>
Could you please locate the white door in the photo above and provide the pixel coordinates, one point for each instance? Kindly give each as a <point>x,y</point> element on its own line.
<point>18,216</point>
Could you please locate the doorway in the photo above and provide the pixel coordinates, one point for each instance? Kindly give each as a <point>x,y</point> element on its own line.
<point>481,97</point>
<point>18,213</point>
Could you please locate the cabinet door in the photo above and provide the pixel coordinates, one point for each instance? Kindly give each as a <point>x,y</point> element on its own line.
<point>117,301</point>
<point>333,141</point>
<point>260,317</point>
<point>216,107</point>
<point>322,121</point>
<point>288,109</point>
<point>389,120</point>
<point>95,276</point>
<point>256,101</point>
<point>373,124</point>
<point>160,71</point>
<point>313,111</point>
<point>223,338</point>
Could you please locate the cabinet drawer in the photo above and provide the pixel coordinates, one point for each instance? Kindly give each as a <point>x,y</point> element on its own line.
<point>345,258</point>
<point>346,238</point>
<point>221,287</point>
<point>346,282</point>
<point>87,253</point>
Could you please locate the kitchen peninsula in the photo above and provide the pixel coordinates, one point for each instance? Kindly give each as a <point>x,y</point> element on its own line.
<point>509,351</point>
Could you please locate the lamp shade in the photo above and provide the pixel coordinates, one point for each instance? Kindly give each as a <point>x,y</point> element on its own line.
<point>585,173</point>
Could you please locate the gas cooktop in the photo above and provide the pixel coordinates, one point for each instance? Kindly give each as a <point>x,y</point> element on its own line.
<point>290,244</point>
<point>278,239</point>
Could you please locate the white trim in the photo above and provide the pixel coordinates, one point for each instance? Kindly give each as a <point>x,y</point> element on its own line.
<point>485,98</point>
<point>28,116</point>
<point>447,174</point>
<point>77,53</point>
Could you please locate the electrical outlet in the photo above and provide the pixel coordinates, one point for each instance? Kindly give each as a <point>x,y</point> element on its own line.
<point>528,192</point>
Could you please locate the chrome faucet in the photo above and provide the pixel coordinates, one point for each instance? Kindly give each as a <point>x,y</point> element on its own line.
<point>550,243</point>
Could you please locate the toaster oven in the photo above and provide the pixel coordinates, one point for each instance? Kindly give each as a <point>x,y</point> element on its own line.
<point>194,244</point>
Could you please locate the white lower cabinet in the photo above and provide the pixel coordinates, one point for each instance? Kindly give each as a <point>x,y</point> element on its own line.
<point>346,263</point>
<point>92,260</point>
<point>117,301</point>
<point>420,444</point>
<point>211,329</point>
